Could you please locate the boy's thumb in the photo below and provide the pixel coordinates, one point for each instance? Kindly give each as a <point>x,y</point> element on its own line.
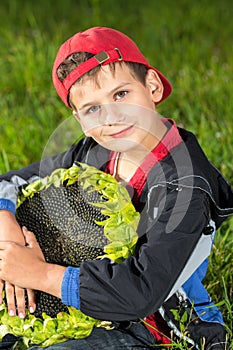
<point>30,238</point>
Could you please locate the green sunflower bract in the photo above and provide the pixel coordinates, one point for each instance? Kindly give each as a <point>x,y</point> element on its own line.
<point>108,221</point>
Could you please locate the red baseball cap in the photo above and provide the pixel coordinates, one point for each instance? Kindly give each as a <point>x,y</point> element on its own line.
<point>108,45</point>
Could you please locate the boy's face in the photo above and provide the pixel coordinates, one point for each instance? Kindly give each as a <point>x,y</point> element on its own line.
<point>117,110</point>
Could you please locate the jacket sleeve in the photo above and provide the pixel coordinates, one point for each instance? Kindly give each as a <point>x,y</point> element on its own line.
<point>168,234</point>
<point>13,180</point>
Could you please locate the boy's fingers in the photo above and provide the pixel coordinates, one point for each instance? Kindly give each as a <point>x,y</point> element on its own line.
<point>20,301</point>
<point>31,242</point>
<point>29,237</point>
<point>10,298</point>
<point>31,300</point>
<point>15,296</point>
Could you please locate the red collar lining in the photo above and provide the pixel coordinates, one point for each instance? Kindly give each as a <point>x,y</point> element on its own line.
<point>170,140</point>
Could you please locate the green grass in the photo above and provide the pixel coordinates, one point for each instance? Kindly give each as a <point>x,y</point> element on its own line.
<point>190,41</point>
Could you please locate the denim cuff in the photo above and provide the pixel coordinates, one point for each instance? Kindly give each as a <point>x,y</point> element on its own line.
<point>6,204</point>
<point>70,287</point>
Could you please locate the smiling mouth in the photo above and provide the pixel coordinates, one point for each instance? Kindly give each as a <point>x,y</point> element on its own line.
<point>123,132</point>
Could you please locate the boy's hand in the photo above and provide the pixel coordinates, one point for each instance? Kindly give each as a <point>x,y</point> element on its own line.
<point>25,266</point>
<point>22,265</point>
<point>15,296</point>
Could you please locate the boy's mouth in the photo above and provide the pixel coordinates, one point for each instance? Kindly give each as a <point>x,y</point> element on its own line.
<point>123,132</point>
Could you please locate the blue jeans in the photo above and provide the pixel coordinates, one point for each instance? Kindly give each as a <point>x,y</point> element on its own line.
<point>135,337</point>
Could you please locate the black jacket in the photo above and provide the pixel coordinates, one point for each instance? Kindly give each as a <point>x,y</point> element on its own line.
<point>183,193</point>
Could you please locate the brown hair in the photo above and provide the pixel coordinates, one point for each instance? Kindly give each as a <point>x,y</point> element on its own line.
<point>138,70</point>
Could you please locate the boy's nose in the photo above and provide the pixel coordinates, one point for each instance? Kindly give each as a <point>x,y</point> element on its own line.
<point>111,114</point>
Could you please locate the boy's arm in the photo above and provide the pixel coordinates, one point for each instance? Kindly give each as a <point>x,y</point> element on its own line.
<point>9,228</point>
<point>11,231</point>
<point>139,285</point>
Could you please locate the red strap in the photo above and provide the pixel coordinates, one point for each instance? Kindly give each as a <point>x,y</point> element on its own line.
<point>102,57</point>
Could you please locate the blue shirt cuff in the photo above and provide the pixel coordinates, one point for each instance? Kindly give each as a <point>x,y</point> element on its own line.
<point>70,287</point>
<point>6,204</point>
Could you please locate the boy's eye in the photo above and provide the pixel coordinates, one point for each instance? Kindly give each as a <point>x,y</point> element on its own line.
<point>120,94</point>
<point>92,109</point>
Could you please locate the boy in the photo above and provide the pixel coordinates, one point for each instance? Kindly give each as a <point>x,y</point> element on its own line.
<point>112,90</point>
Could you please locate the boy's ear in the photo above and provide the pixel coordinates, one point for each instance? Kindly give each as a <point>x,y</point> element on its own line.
<point>154,83</point>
